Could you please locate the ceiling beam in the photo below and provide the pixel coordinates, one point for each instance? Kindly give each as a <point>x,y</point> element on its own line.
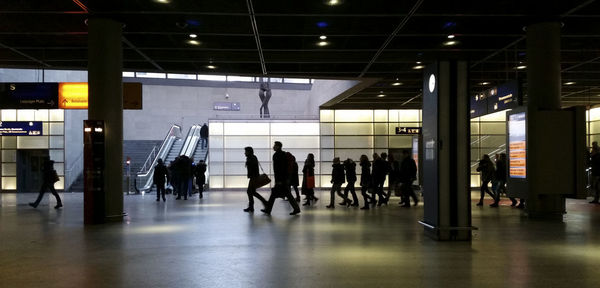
<point>256,36</point>
<point>25,55</point>
<point>391,37</point>
<point>141,54</point>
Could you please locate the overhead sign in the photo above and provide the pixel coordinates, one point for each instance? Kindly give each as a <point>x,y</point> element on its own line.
<point>226,106</point>
<point>28,95</point>
<point>408,130</point>
<point>502,97</point>
<point>20,128</point>
<point>517,145</point>
<point>75,95</point>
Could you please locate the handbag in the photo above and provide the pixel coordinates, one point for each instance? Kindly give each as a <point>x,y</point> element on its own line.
<point>310,182</point>
<point>262,179</point>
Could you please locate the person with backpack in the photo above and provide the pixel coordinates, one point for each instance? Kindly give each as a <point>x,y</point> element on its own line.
<point>282,181</point>
<point>49,177</point>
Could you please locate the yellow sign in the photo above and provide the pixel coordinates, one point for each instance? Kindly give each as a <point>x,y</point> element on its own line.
<point>75,95</point>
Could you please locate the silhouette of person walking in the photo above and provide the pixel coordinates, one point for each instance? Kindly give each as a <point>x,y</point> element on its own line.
<point>282,182</point>
<point>253,173</point>
<point>160,174</point>
<point>49,178</point>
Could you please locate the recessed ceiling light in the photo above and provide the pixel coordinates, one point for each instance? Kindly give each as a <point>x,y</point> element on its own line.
<point>193,35</point>
<point>194,42</point>
<point>484,83</point>
<point>397,83</point>
<point>520,67</point>
<point>450,43</point>
<point>322,37</point>
<point>569,83</point>
<point>418,67</point>
<point>333,2</point>
<point>163,1</point>
<point>451,36</point>
<point>211,67</point>
<point>322,43</point>
<point>380,95</point>
<point>418,62</point>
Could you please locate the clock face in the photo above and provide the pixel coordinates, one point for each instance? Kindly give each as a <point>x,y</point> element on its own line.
<point>431,83</point>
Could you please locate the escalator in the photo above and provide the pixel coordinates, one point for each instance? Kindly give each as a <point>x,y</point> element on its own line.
<point>170,148</point>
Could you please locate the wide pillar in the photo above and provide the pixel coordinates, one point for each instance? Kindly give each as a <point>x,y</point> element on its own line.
<point>105,63</point>
<point>549,158</point>
<point>447,214</point>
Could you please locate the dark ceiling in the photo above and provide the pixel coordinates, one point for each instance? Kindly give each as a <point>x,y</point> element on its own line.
<point>367,39</point>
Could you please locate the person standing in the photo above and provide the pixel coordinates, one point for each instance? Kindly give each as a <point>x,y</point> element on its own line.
<point>200,173</point>
<point>308,179</point>
<point>408,174</point>
<point>253,173</point>
<point>161,174</point>
<point>282,182</point>
<point>350,168</point>
<point>486,167</point>
<point>393,176</point>
<point>378,176</point>
<point>337,179</point>
<point>204,136</point>
<point>365,180</point>
<point>499,178</point>
<point>49,177</point>
<point>183,167</point>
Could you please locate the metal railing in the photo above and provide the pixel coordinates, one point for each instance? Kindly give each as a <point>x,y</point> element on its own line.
<point>145,177</point>
<point>191,141</point>
<point>73,172</point>
<point>148,163</point>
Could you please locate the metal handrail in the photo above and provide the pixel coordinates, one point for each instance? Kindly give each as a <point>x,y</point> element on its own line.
<point>76,166</point>
<point>173,134</point>
<point>148,163</point>
<point>191,141</point>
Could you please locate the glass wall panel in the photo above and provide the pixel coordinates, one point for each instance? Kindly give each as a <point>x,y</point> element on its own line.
<point>326,115</point>
<point>353,154</point>
<point>381,115</point>
<point>216,142</point>
<point>409,116</point>
<point>327,142</point>
<point>243,141</point>
<point>497,117</point>
<point>400,141</point>
<point>56,141</point>
<point>216,155</point>
<point>594,114</point>
<point>217,168</point>
<point>474,128</point>
<point>45,128</point>
<point>353,142</point>
<point>295,129</point>
<point>216,181</point>
<point>32,142</point>
<point>493,128</point>
<point>25,115</point>
<point>234,155</point>
<point>327,129</point>
<point>381,141</point>
<point>354,129</point>
<point>236,168</point>
<point>57,115</point>
<point>9,115</point>
<point>9,169</point>
<point>9,183</point>
<point>297,141</point>
<point>236,181</point>
<point>60,168</point>
<point>57,128</point>
<point>246,128</point>
<point>326,155</point>
<point>215,128</point>
<point>381,129</point>
<point>9,155</point>
<point>353,115</point>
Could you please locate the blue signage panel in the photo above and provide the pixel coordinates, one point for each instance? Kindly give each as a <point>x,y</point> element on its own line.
<point>226,106</point>
<point>28,95</point>
<point>502,97</point>
<point>20,128</point>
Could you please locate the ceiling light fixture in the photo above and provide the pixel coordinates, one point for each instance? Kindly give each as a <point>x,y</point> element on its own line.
<point>193,35</point>
<point>397,83</point>
<point>484,83</point>
<point>418,62</point>
<point>450,43</point>
<point>451,36</point>
<point>333,2</point>
<point>418,67</point>
<point>520,67</point>
<point>163,1</point>
<point>570,83</point>
<point>322,37</point>
<point>322,43</point>
<point>194,42</point>
<point>212,67</point>
<point>380,94</point>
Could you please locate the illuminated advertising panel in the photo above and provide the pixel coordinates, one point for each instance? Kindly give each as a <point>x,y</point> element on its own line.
<point>517,142</point>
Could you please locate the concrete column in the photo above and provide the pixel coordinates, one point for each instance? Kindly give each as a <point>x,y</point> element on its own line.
<point>105,65</point>
<point>543,66</point>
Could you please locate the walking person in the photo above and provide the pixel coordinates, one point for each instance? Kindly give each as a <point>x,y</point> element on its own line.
<point>204,136</point>
<point>252,173</point>
<point>337,179</point>
<point>378,176</point>
<point>350,168</point>
<point>49,177</point>
<point>486,167</point>
<point>365,180</point>
<point>499,178</point>
<point>308,179</point>
<point>282,184</point>
<point>183,168</point>
<point>200,173</point>
<point>160,177</point>
<point>408,174</point>
<point>294,181</point>
<point>393,176</point>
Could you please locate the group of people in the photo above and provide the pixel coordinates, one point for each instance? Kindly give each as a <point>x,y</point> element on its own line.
<point>179,175</point>
<point>401,176</point>
<point>497,176</point>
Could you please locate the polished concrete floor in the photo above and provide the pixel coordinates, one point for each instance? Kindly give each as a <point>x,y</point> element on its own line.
<point>212,243</point>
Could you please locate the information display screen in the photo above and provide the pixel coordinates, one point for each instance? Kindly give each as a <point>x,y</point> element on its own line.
<point>517,141</point>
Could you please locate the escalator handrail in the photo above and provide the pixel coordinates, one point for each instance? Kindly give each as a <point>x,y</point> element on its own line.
<point>174,133</point>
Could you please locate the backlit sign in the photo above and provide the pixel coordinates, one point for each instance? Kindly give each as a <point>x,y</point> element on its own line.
<point>517,142</point>
<point>21,128</point>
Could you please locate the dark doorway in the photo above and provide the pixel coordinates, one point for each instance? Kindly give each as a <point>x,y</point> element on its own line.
<point>29,169</point>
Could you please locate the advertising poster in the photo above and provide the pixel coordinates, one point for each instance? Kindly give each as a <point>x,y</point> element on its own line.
<point>517,141</point>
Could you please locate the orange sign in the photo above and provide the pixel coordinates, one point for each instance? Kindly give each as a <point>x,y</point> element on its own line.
<point>518,154</point>
<point>518,171</point>
<point>517,145</point>
<point>75,96</point>
<point>517,162</point>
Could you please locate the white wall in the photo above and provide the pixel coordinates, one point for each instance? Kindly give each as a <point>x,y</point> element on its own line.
<point>324,90</point>
<point>185,106</point>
